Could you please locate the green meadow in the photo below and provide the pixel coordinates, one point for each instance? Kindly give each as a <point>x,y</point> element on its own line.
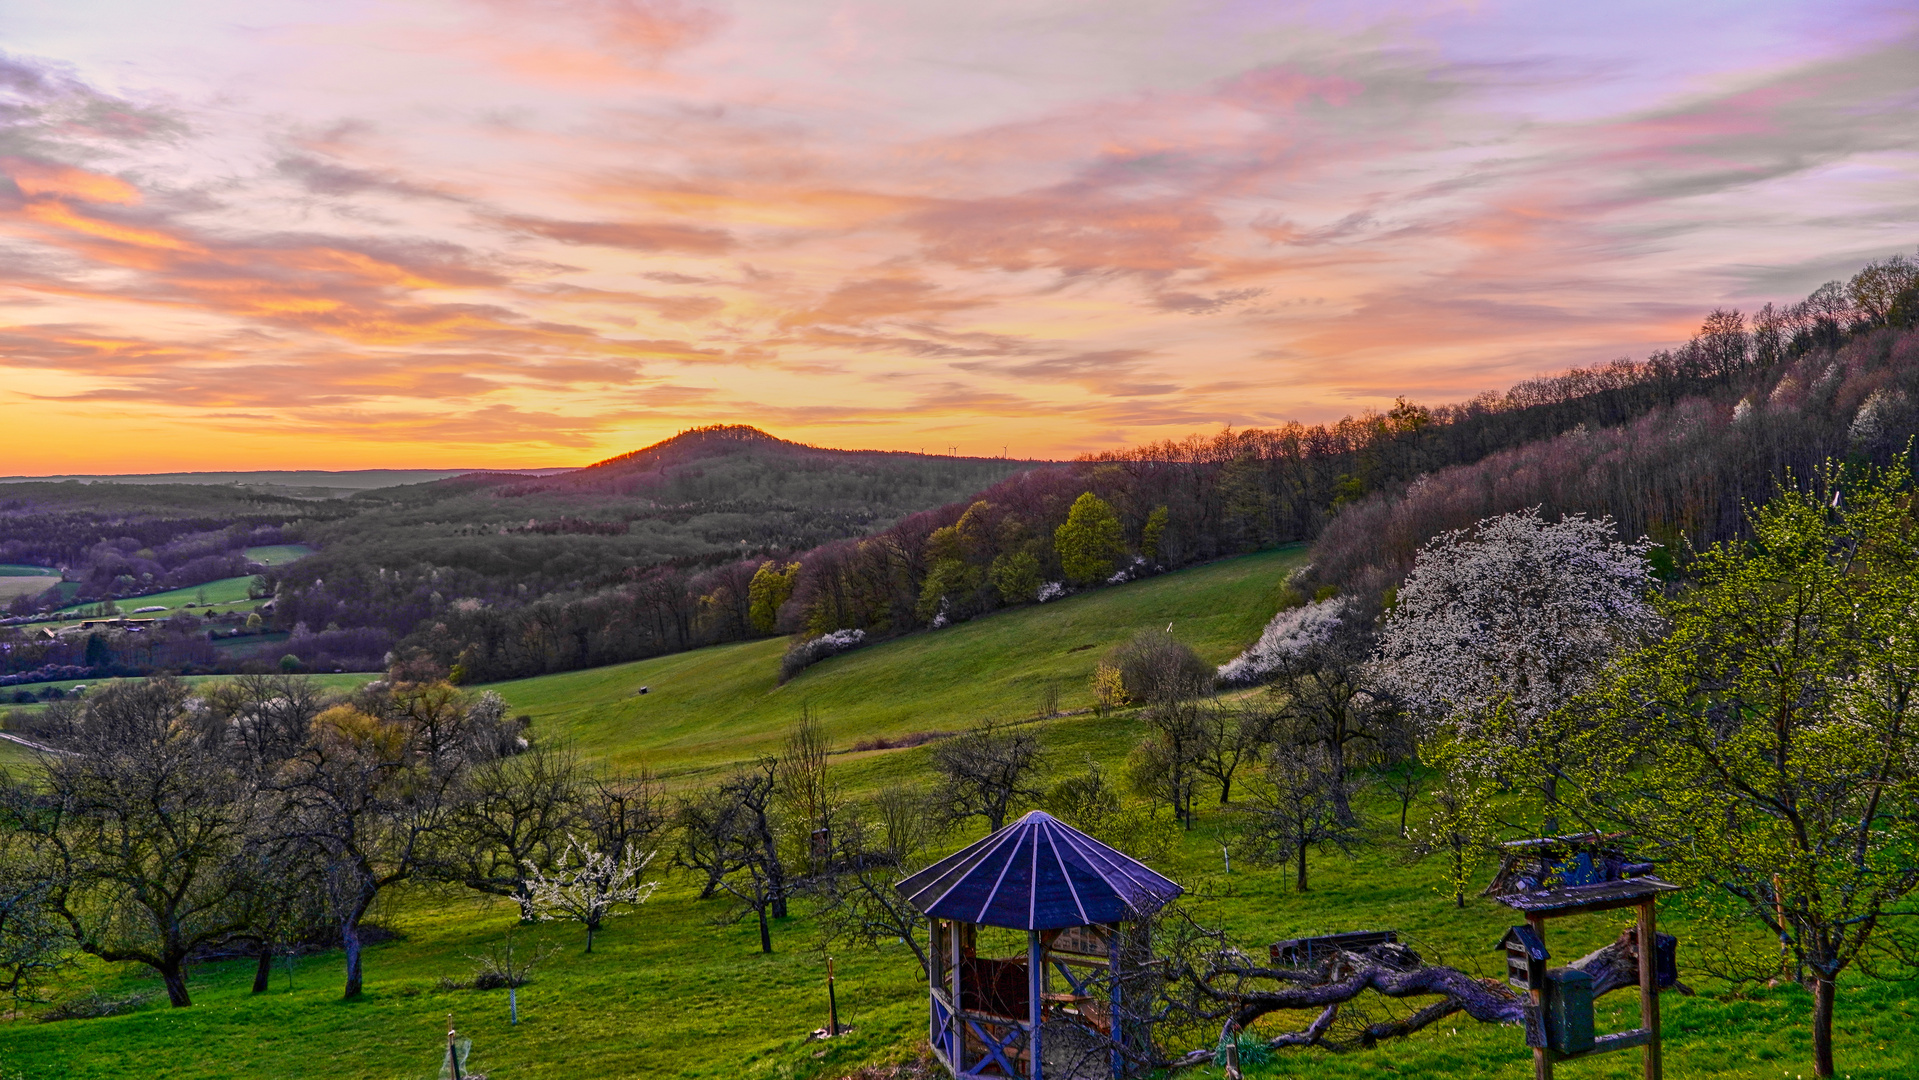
<point>277,554</point>
<point>679,990</point>
<point>226,594</point>
<point>723,704</point>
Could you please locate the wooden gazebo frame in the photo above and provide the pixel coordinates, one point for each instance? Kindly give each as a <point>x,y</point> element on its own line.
<point>1075,898</point>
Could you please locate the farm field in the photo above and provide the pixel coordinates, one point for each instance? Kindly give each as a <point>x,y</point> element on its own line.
<point>676,990</point>
<point>223,595</point>
<point>16,580</point>
<point>277,554</point>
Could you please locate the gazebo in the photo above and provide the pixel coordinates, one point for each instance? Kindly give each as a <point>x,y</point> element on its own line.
<point>1074,897</point>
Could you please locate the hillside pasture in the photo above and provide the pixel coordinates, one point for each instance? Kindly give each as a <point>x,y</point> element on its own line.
<point>277,554</point>
<point>213,597</point>
<point>711,706</point>
<point>679,988</point>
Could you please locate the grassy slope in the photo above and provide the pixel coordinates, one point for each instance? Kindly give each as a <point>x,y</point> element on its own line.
<point>277,554</point>
<point>724,704</point>
<point>226,594</point>
<point>669,992</point>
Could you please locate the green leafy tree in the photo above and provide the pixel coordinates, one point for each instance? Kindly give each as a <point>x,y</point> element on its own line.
<point>958,558</point>
<point>1089,540</point>
<point>1767,750</point>
<point>1154,534</point>
<point>770,588</point>
<point>1016,575</point>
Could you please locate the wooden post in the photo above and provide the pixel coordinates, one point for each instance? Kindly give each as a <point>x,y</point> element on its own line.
<point>1649,989</point>
<point>1035,987</point>
<point>832,1002</point>
<point>452,1052</point>
<point>1542,1057</point>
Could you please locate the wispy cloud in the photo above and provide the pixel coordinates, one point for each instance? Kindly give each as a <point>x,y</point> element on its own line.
<point>522,226</point>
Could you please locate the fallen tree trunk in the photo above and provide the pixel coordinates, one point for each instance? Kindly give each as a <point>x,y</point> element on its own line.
<point>1397,972</point>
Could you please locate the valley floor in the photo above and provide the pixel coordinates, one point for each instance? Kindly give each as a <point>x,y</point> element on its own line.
<point>677,991</point>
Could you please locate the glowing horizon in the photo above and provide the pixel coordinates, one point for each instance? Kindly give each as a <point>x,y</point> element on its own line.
<point>527,233</point>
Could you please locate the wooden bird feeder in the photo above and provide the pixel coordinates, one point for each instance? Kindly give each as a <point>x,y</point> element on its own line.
<point>1561,876</point>
<point>1081,904</point>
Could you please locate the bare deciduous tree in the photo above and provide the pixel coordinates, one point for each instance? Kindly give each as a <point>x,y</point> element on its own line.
<point>144,823</point>
<point>514,812</point>
<point>985,772</point>
<point>373,794</point>
<point>1166,765</point>
<point>807,792</point>
<point>1300,803</point>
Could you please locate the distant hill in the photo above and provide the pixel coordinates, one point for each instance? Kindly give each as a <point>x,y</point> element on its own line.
<point>294,483</point>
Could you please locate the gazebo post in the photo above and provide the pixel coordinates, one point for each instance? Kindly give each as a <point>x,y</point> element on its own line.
<point>1113,994</point>
<point>1035,985</point>
<point>1048,879</point>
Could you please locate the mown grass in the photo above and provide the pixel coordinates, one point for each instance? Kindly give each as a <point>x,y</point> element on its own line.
<point>223,595</point>
<point>277,554</point>
<point>724,704</point>
<point>18,580</point>
<point>677,991</point>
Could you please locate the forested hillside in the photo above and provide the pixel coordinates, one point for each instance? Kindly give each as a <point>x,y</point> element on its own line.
<point>1669,434</point>
<point>127,539</point>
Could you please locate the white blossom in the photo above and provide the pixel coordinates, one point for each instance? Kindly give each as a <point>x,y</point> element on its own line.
<point>1287,637</point>
<point>1870,426</point>
<point>587,886</point>
<point>1052,590</point>
<point>489,709</point>
<point>1515,615</point>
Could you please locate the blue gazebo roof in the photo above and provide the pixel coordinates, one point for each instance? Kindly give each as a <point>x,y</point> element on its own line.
<point>1038,874</point>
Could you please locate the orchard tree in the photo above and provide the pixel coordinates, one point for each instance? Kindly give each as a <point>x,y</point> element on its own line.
<point>985,772</point>
<point>1299,803</point>
<point>1498,627</point>
<point>1768,748</point>
<point>586,886</point>
<point>375,792</point>
<point>143,821</point>
<point>1316,662</point>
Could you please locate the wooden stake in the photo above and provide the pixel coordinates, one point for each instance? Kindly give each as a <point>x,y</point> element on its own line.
<point>832,1002</point>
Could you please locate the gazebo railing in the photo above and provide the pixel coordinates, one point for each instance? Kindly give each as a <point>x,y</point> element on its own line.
<point>969,1042</point>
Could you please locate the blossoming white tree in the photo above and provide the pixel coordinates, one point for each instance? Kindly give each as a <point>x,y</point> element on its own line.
<point>1289,636</point>
<point>1499,626</point>
<point>587,886</point>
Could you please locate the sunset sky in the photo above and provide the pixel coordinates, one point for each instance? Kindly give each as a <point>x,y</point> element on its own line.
<point>465,233</point>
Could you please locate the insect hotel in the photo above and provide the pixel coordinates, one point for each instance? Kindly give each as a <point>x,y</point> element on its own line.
<point>1556,877</point>
<point>1059,1008</point>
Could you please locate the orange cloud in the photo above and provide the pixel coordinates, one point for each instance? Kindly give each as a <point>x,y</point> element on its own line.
<point>36,178</point>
